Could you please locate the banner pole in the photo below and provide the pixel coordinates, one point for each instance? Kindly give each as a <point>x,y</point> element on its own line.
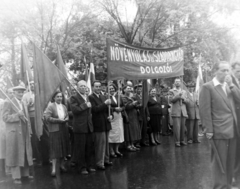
<point>109,106</point>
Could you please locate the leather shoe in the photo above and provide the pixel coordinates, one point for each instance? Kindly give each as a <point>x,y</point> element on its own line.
<point>177,145</point>
<point>144,144</point>
<point>130,149</point>
<point>63,169</point>
<point>84,171</point>
<point>119,154</point>
<point>108,163</point>
<point>91,170</point>
<point>197,141</point>
<point>190,142</point>
<point>100,167</point>
<point>137,146</point>
<point>53,173</point>
<point>158,142</point>
<point>113,155</point>
<point>17,181</point>
<point>183,143</point>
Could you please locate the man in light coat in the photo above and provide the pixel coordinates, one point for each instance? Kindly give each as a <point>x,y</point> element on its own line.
<point>18,131</point>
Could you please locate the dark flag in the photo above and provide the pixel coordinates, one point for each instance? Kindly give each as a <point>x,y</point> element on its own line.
<point>47,79</point>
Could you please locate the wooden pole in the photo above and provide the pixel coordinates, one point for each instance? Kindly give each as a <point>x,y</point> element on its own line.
<point>109,106</point>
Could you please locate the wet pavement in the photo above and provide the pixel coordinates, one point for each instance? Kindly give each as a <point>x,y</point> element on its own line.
<point>158,167</point>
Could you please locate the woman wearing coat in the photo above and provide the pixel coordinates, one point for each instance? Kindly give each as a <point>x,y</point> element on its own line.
<point>133,132</point>
<point>56,116</point>
<point>116,134</point>
<point>155,111</point>
<point>18,131</point>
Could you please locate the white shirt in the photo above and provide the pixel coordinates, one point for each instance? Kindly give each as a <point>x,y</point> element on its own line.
<point>84,97</point>
<point>97,95</point>
<point>60,111</point>
<point>223,85</point>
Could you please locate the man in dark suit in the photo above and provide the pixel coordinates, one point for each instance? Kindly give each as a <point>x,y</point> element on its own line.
<point>143,114</point>
<point>165,105</point>
<point>82,129</point>
<point>218,115</point>
<point>101,125</point>
<point>193,116</point>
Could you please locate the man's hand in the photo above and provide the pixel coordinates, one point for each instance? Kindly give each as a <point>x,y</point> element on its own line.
<point>118,109</point>
<point>228,80</point>
<point>148,118</point>
<point>21,114</point>
<point>89,104</point>
<point>108,102</point>
<point>135,102</point>
<point>209,135</point>
<point>110,117</point>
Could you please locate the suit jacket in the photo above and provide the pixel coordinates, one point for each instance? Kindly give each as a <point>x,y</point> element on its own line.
<point>178,107</point>
<point>82,116</point>
<point>193,107</point>
<point>99,113</point>
<point>217,110</point>
<point>164,105</point>
<point>70,114</point>
<point>154,106</point>
<point>18,133</point>
<point>51,115</point>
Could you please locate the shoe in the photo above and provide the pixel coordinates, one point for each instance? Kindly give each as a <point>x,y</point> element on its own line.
<point>113,155</point>
<point>144,144</point>
<point>63,169</point>
<point>100,167</point>
<point>91,170</point>
<point>177,145</point>
<point>84,171</point>
<point>30,177</point>
<point>17,181</point>
<point>53,173</point>
<point>108,163</point>
<point>137,146</point>
<point>197,141</point>
<point>130,149</point>
<point>183,143</point>
<point>190,142</point>
<point>119,154</point>
<point>200,134</point>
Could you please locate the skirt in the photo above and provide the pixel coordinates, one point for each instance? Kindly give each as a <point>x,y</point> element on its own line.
<point>116,134</point>
<point>155,123</point>
<point>59,143</point>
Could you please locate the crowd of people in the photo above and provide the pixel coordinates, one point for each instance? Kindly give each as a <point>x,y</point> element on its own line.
<point>92,129</point>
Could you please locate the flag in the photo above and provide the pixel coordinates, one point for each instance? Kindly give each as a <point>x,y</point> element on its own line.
<point>47,79</point>
<point>60,64</point>
<point>199,81</point>
<point>91,77</point>
<point>146,84</point>
<point>25,71</point>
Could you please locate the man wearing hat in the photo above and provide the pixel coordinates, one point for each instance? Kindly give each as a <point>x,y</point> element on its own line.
<point>193,115</point>
<point>28,99</point>
<point>18,131</point>
<point>82,129</point>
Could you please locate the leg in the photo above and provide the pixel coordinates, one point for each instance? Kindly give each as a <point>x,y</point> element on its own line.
<point>100,147</point>
<point>54,163</point>
<point>89,150</point>
<point>111,147</point>
<point>182,129</point>
<point>16,173</point>
<point>195,131</point>
<point>176,129</point>
<point>231,160</point>
<point>190,125</point>
<point>106,155</point>
<point>24,171</point>
<point>2,168</point>
<point>79,149</point>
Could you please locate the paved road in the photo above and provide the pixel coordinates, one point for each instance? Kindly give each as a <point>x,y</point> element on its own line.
<point>158,167</point>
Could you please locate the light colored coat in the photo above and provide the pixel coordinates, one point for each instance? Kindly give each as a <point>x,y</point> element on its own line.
<point>192,106</point>
<point>178,108</point>
<point>217,111</point>
<point>17,135</point>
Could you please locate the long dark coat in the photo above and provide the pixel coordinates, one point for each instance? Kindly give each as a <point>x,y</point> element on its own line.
<point>17,135</point>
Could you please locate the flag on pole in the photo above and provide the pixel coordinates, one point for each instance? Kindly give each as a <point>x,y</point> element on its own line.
<point>199,81</point>
<point>91,77</point>
<point>25,71</point>
<point>60,64</point>
<point>47,79</point>
<point>146,85</point>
